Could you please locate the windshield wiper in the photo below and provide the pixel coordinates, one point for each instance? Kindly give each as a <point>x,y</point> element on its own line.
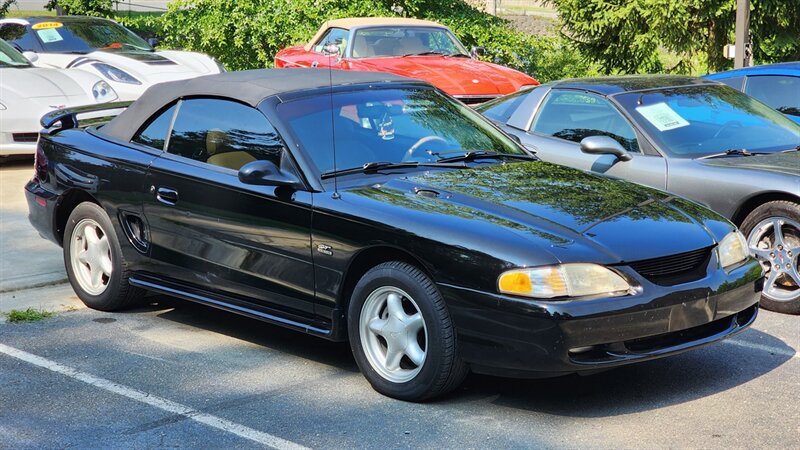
<point>732,152</point>
<point>376,166</point>
<point>473,155</point>
<point>425,53</point>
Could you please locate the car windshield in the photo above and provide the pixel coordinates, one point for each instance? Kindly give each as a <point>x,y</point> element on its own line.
<point>696,121</point>
<point>9,57</point>
<point>390,126</point>
<point>405,41</point>
<point>84,36</point>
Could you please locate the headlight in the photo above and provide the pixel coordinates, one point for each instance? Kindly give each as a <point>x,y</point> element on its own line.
<point>102,92</point>
<point>732,249</point>
<point>565,280</point>
<point>114,74</point>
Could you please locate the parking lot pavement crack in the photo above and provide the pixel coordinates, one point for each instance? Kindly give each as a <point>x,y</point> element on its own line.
<point>153,400</point>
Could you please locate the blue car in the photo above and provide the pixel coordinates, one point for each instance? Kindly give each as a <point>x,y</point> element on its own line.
<point>777,85</point>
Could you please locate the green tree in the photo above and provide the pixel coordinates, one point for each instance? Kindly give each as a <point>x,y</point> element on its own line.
<point>5,5</point>
<point>99,8</point>
<point>628,36</point>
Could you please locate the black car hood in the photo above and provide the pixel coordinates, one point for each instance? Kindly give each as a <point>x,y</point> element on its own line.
<point>559,206</point>
<point>782,163</point>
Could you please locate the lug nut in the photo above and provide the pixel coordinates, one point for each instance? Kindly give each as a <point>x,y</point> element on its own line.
<point>772,255</point>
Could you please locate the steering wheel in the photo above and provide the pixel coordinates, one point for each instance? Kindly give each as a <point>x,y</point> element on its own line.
<point>728,124</point>
<point>411,153</point>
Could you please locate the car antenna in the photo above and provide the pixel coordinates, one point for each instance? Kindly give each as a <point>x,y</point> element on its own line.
<point>329,50</point>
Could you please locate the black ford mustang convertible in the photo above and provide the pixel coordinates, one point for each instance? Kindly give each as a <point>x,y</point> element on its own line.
<point>374,208</point>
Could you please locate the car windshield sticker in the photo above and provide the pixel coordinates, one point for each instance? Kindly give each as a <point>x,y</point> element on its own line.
<point>662,116</point>
<point>49,35</point>
<point>47,25</point>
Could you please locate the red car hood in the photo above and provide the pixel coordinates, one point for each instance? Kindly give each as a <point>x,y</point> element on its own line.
<point>456,76</point>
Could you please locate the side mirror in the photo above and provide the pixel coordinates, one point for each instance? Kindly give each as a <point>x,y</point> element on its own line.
<point>265,173</point>
<point>153,41</point>
<point>604,145</point>
<point>477,51</point>
<point>31,56</point>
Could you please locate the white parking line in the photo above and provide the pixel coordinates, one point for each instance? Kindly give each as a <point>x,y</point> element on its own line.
<point>764,348</point>
<point>152,400</point>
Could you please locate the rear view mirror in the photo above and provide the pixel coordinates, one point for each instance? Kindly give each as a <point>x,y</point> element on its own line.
<point>31,56</point>
<point>475,52</point>
<point>604,145</point>
<point>265,173</point>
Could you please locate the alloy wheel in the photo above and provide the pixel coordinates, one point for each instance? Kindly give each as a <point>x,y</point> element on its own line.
<point>775,241</point>
<point>90,256</point>
<point>393,334</point>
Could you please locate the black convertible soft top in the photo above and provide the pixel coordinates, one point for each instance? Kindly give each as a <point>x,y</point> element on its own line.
<point>249,86</point>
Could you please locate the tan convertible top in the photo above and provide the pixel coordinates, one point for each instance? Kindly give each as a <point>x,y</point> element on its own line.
<point>367,21</point>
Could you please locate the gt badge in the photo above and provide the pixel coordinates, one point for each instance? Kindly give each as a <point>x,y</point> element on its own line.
<point>325,249</point>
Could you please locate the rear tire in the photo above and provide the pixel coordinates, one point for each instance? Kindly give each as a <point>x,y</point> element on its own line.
<point>93,258</point>
<point>778,252</point>
<point>401,334</point>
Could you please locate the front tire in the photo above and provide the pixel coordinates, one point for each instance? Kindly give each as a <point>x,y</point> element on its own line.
<point>93,258</point>
<point>773,235</point>
<point>401,334</point>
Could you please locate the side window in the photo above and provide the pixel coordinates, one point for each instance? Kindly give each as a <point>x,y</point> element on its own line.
<point>331,36</point>
<point>18,36</point>
<point>575,115</point>
<point>735,82</point>
<point>779,91</point>
<point>154,132</point>
<point>501,110</point>
<point>223,133</point>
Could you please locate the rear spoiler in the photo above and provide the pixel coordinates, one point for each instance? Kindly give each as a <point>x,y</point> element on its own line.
<point>68,117</point>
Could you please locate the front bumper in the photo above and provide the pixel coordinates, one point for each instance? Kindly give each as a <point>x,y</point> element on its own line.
<point>510,336</point>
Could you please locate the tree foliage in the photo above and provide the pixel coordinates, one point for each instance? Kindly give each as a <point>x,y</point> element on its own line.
<point>5,5</point>
<point>629,35</point>
<point>246,34</point>
<point>99,8</point>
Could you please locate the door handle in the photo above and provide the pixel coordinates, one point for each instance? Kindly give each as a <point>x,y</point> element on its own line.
<point>167,196</point>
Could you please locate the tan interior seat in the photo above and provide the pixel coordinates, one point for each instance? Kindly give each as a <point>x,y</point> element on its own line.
<point>361,48</point>
<point>217,144</point>
<point>412,45</point>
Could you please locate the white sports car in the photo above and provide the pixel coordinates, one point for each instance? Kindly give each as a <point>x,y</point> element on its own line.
<point>103,47</point>
<point>27,93</point>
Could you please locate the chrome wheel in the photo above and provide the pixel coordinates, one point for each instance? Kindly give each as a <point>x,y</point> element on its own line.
<point>393,334</point>
<point>90,257</point>
<point>775,241</point>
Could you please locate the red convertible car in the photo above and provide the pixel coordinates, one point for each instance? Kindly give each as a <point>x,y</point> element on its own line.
<point>408,47</point>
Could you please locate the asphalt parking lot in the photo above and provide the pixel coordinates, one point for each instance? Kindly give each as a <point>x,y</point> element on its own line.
<point>179,375</point>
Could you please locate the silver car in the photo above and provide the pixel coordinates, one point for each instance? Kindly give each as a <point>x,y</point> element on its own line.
<point>696,138</point>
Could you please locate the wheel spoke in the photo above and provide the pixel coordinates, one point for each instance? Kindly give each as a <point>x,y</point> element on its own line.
<point>82,256</point>
<point>778,233</point>
<point>96,274</point>
<point>393,357</point>
<point>376,325</point>
<point>769,282</point>
<point>415,353</point>
<point>106,266</point>
<point>414,324</point>
<point>394,305</point>
<point>92,237</point>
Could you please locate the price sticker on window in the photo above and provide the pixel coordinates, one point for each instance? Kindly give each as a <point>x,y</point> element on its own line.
<point>662,116</point>
<point>49,35</point>
<point>46,25</point>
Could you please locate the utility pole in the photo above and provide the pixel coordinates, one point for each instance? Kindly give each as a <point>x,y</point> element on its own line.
<point>742,49</point>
